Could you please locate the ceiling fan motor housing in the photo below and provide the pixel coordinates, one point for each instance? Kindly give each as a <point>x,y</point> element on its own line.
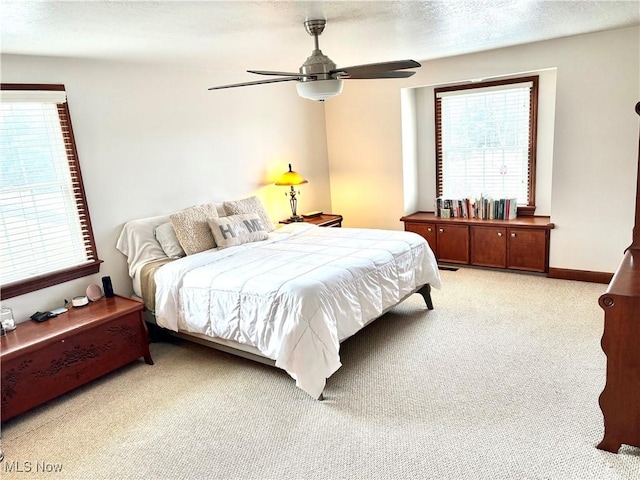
<point>317,63</point>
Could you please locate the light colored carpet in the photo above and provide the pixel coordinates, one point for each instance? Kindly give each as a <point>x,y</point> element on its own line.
<point>500,381</point>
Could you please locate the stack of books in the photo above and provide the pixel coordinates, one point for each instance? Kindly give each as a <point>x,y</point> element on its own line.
<point>485,208</point>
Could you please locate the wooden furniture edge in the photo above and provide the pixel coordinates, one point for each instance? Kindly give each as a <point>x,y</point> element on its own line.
<point>320,220</point>
<point>626,280</point>
<point>520,222</point>
<point>48,338</point>
<point>621,336</point>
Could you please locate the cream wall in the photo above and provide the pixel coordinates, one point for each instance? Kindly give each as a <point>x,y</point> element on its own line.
<point>153,140</point>
<point>594,138</point>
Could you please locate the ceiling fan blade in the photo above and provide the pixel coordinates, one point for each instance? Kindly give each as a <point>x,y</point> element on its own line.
<point>259,82</point>
<point>267,72</point>
<point>375,67</point>
<point>370,76</point>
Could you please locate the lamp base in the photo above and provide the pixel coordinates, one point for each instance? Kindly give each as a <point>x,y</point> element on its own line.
<point>296,218</point>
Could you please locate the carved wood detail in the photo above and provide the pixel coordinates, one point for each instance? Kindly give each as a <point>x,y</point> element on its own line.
<point>128,333</point>
<point>10,379</point>
<point>77,354</point>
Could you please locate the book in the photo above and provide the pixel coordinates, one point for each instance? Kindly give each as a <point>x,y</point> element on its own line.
<point>512,208</point>
<point>312,214</point>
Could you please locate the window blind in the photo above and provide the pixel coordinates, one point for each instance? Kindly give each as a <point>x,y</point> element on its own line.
<point>485,141</point>
<point>44,224</point>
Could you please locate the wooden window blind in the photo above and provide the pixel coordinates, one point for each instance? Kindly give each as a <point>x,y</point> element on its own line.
<point>486,140</point>
<point>45,228</point>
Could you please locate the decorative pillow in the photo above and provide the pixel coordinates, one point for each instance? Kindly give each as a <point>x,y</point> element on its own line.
<point>237,229</point>
<point>192,229</point>
<point>250,205</point>
<point>166,236</point>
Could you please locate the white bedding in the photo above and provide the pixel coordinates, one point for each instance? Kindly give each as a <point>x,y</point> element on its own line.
<point>296,296</point>
<point>138,242</point>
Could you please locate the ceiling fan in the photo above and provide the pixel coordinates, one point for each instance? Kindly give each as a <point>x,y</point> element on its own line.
<point>320,79</point>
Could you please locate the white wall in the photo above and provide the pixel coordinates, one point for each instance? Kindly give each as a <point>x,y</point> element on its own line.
<point>154,140</point>
<point>595,142</point>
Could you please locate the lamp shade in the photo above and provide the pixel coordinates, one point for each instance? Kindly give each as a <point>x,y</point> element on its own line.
<point>290,178</point>
<point>320,90</point>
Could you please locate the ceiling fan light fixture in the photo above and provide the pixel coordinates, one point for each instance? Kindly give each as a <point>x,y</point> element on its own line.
<point>319,90</point>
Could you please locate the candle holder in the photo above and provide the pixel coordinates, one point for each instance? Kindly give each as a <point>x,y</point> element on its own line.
<point>7,322</point>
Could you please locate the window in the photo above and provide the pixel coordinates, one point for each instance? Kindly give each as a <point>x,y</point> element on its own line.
<point>486,141</point>
<point>45,229</point>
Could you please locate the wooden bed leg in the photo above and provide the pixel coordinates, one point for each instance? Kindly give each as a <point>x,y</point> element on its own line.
<point>425,291</point>
<point>321,398</point>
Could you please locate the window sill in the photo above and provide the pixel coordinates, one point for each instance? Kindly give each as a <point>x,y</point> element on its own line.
<point>37,283</point>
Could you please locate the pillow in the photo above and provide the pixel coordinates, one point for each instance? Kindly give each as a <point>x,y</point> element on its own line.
<point>139,244</point>
<point>237,229</point>
<point>166,236</point>
<point>192,229</point>
<point>250,205</point>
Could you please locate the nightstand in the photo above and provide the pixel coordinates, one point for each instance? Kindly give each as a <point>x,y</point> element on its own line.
<point>324,220</point>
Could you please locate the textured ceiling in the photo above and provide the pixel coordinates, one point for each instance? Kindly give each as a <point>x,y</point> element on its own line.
<point>238,35</point>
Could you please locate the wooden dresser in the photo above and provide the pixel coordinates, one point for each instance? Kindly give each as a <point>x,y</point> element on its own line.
<point>41,361</point>
<point>518,244</point>
<point>620,399</point>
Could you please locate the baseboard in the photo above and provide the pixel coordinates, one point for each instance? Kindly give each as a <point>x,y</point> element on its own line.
<point>580,275</point>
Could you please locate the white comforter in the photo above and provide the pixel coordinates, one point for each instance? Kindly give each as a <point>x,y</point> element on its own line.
<point>295,297</point>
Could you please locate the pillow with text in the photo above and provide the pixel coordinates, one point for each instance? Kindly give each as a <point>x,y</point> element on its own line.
<point>237,229</point>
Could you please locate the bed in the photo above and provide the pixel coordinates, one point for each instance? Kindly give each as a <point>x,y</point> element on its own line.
<point>287,298</point>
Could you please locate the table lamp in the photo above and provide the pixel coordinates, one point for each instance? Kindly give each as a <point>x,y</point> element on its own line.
<point>291,179</point>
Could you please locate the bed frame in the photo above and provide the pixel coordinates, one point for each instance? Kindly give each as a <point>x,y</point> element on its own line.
<point>247,351</point>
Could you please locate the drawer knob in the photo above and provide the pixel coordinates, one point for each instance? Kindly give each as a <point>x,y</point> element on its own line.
<point>429,229</point>
<point>442,230</point>
<point>499,234</point>
<point>513,235</point>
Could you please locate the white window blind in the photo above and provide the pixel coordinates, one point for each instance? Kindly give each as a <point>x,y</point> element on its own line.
<point>44,223</point>
<point>484,141</point>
